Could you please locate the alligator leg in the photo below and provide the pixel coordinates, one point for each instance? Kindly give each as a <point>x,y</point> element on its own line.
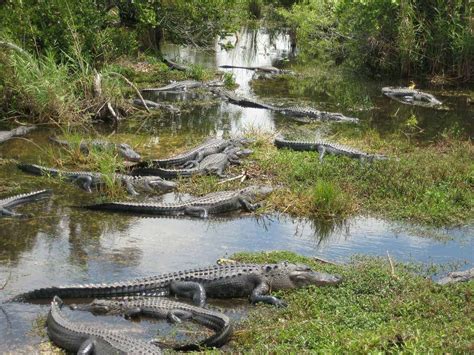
<point>321,151</point>
<point>130,188</point>
<point>189,289</point>
<point>5,212</point>
<point>249,207</point>
<point>192,164</point>
<point>195,211</point>
<point>84,182</point>
<point>87,347</point>
<point>259,294</point>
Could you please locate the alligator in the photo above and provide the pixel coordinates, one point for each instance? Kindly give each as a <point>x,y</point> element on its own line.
<point>174,65</point>
<point>16,132</point>
<point>216,281</point>
<point>195,155</point>
<point>294,111</point>
<point>156,106</point>
<point>82,338</point>
<point>88,180</point>
<point>458,276</point>
<point>265,69</point>
<point>124,150</point>
<point>202,207</point>
<point>411,96</point>
<point>185,85</point>
<point>9,202</point>
<point>324,147</point>
<point>173,311</point>
<point>212,164</point>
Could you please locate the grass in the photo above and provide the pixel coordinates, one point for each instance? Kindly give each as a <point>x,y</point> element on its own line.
<point>372,311</point>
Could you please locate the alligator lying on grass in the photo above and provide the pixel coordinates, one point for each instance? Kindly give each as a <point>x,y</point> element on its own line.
<point>195,155</point>
<point>213,203</point>
<point>156,106</point>
<point>411,96</point>
<point>265,69</point>
<point>124,150</point>
<point>293,111</point>
<point>91,180</point>
<point>173,311</point>
<point>457,276</point>
<point>185,85</point>
<point>324,147</point>
<point>214,164</point>
<point>13,201</point>
<point>82,338</point>
<point>216,281</point>
<point>16,132</point>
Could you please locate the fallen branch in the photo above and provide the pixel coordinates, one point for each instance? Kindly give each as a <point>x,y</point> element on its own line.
<point>242,177</point>
<point>392,268</point>
<point>133,86</point>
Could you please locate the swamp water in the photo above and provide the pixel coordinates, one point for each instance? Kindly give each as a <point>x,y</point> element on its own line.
<point>64,244</point>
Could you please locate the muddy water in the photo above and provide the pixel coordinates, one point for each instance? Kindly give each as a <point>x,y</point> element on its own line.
<point>66,244</point>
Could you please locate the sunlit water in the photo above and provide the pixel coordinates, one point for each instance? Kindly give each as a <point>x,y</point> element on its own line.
<point>64,244</point>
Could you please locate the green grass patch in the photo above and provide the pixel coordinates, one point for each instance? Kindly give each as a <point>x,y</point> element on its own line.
<point>372,311</point>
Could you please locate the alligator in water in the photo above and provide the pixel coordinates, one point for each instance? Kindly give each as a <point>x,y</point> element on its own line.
<point>16,132</point>
<point>156,106</point>
<point>214,164</point>
<point>299,112</point>
<point>457,276</point>
<point>185,85</point>
<point>161,308</point>
<point>213,203</point>
<point>13,201</point>
<point>124,150</point>
<point>216,281</point>
<point>323,147</point>
<point>82,338</point>
<point>411,96</point>
<point>265,69</point>
<point>91,180</point>
<point>195,155</point>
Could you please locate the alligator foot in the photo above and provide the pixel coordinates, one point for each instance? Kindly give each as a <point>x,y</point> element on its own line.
<point>84,182</point>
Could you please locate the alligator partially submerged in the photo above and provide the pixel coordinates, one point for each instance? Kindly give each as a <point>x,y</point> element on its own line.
<point>9,202</point>
<point>216,281</point>
<point>124,150</point>
<point>16,132</point>
<point>213,203</point>
<point>185,85</point>
<point>411,96</point>
<point>323,147</point>
<point>91,180</point>
<point>457,276</point>
<point>82,338</point>
<point>299,112</point>
<point>265,69</point>
<point>214,164</point>
<point>161,308</point>
<point>156,106</point>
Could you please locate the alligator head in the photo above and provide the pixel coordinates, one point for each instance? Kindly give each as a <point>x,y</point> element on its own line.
<point>242,141</point>
<point>287,275</point>
<point>256,192</point>
<point>128,153</point>
<point>158,184</point>
<point>97,307</point>
<point>336,116</point>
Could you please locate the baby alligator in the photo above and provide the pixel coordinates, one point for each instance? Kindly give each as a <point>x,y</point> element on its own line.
<point>213,203</point>
<point>212,164</point>
<point>124,150</point>
<point>81,338</point>
<point>216,281</point>
<point>88,180</point>
<point>324,147</point>
<point>161,308</point>
<point>16,200</point>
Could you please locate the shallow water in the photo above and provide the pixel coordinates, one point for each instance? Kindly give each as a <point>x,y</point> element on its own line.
<point>64,244</point>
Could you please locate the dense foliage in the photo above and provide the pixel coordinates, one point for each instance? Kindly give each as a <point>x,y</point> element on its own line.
<point>407,37</point>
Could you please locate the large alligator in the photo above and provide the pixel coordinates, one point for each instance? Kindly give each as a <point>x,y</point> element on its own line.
<point>216,281</point>
<point>16,132</point>
<point>202,207</point>
<point>323,147</point>
<point>13,201</point>
<point>91,180</point>
<point>124,150</point>
<point>185,85</point>
<point>173,311</point>
<point>293,111</point>
<point>82,338</point>
<point>214,164</point>
<point>411,96</point>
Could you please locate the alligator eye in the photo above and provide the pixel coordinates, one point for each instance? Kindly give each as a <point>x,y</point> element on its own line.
<point>268,268</point>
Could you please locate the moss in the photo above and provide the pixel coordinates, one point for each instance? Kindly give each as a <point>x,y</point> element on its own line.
<point>371,311</point>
